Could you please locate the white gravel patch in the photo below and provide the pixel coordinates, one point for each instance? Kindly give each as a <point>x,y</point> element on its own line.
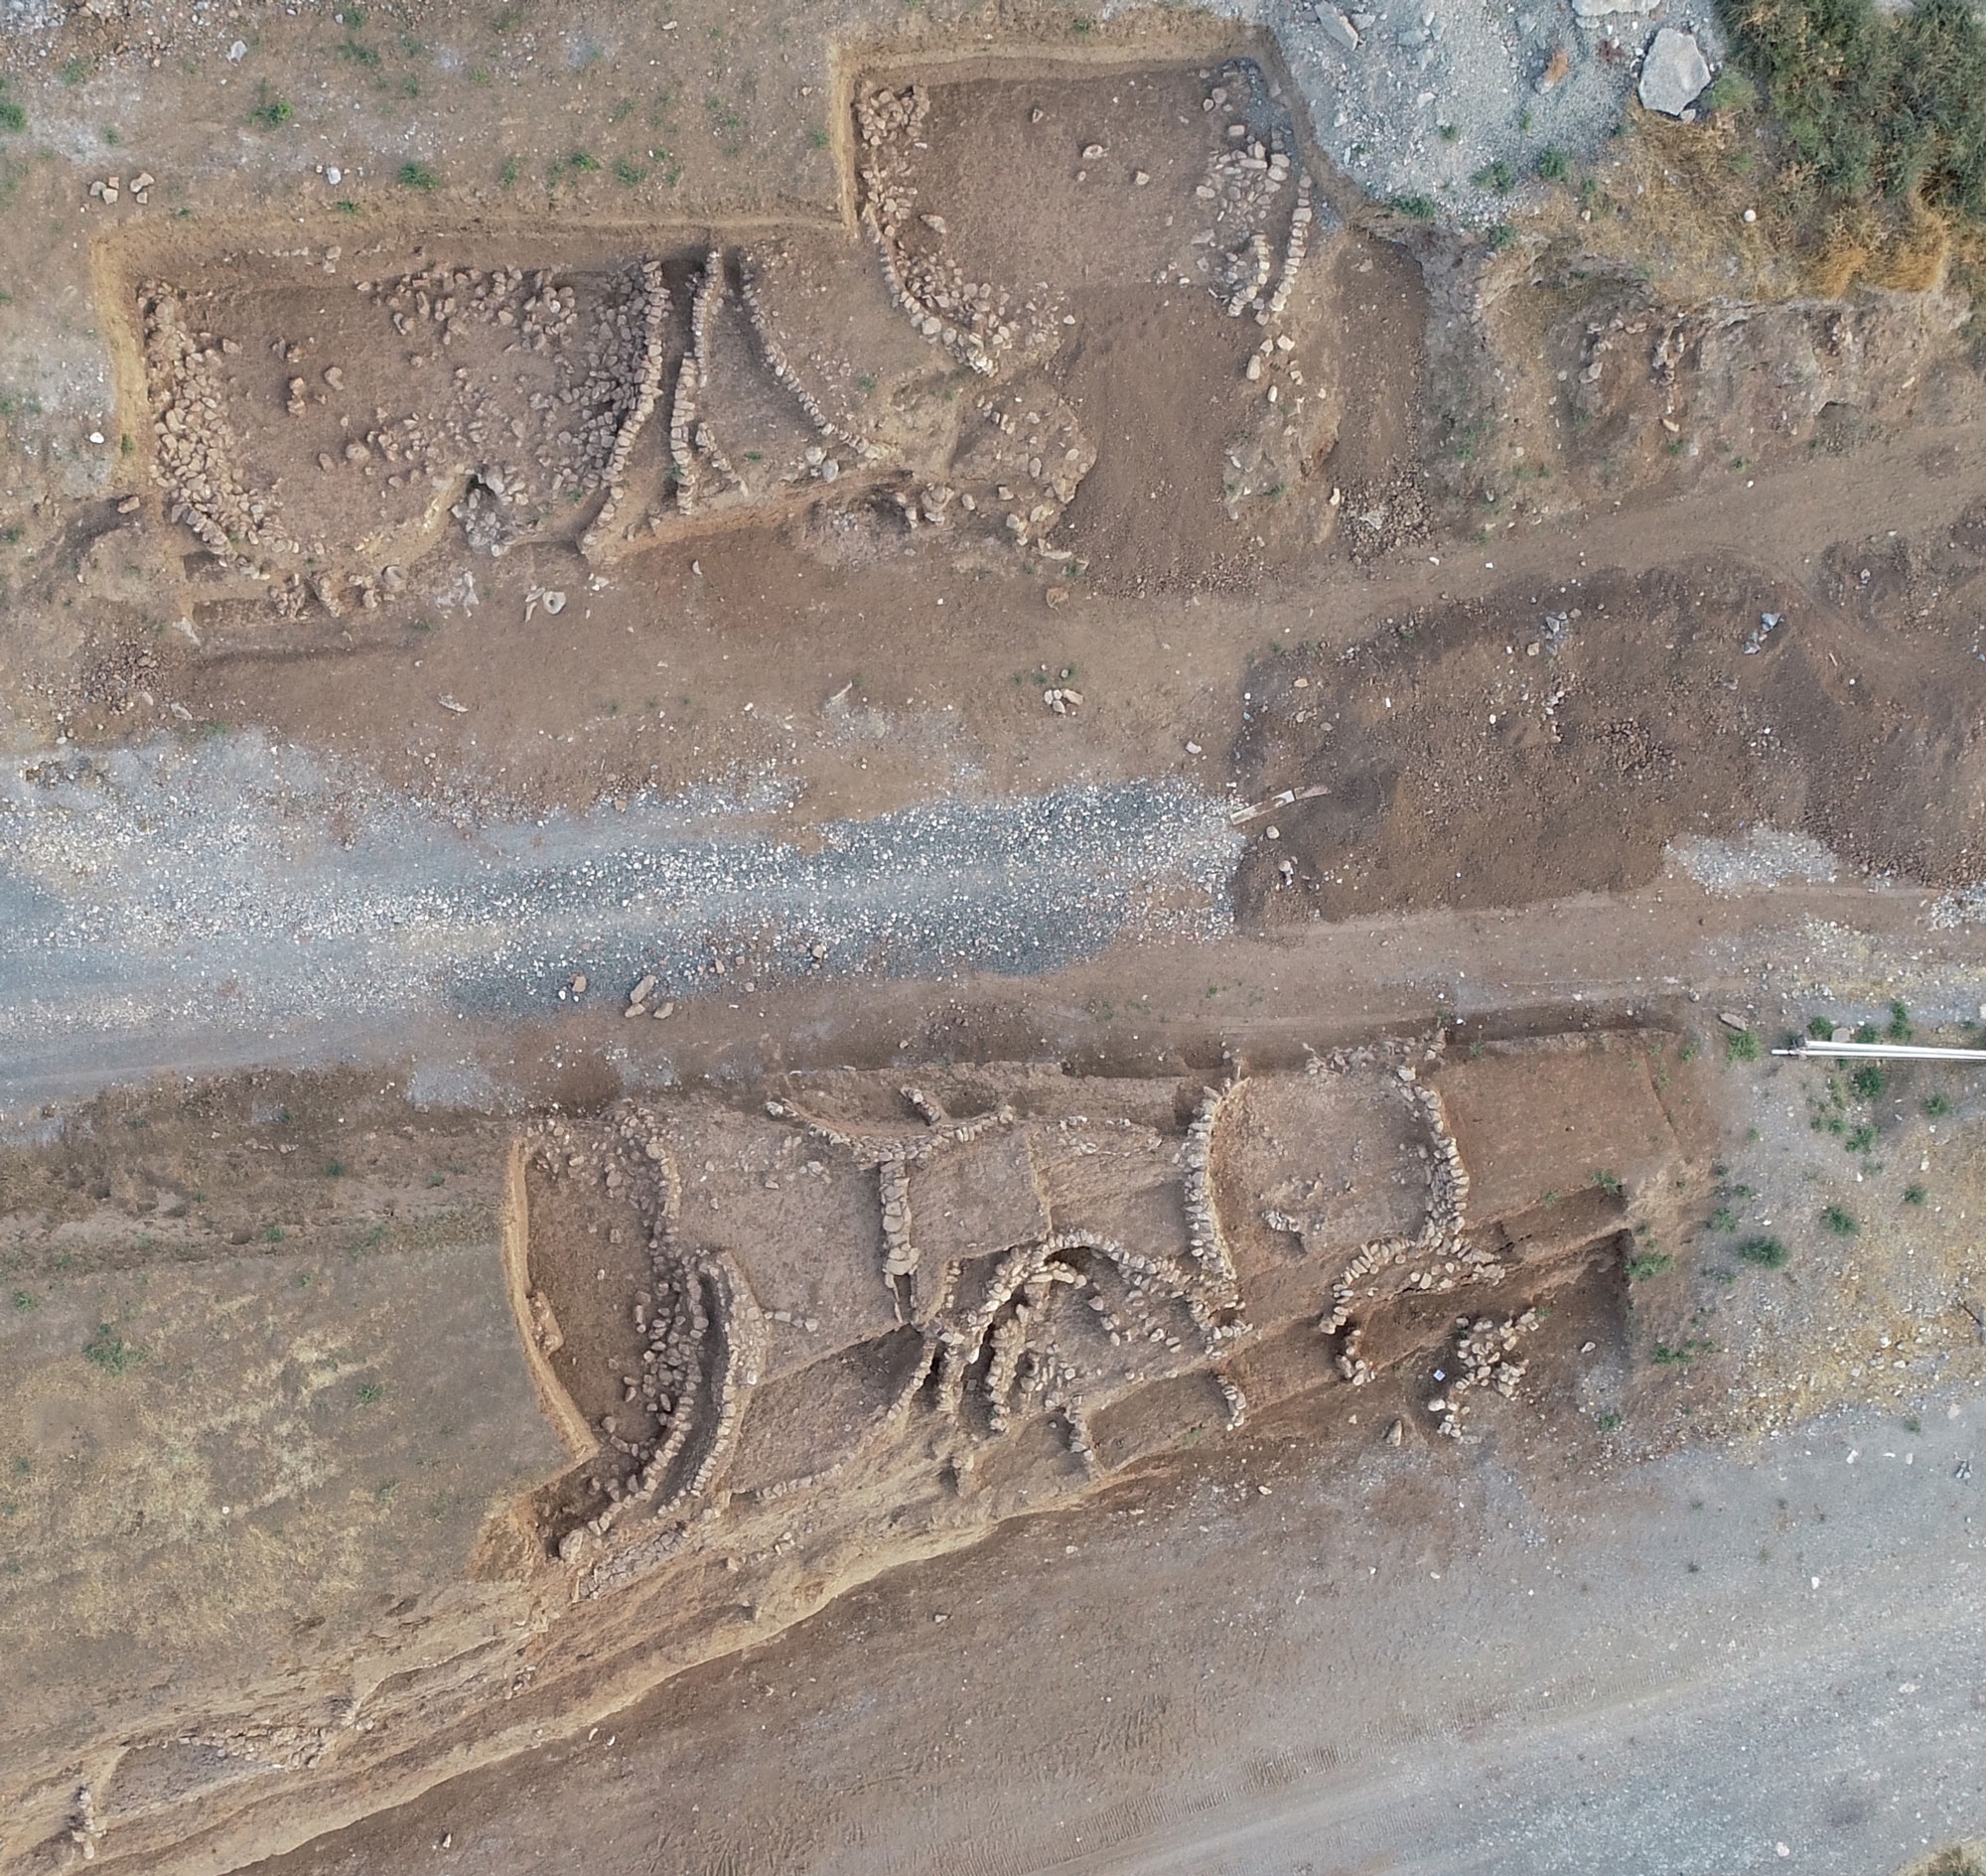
<point>1436,91</point>
<point>197,894</point>
<point>1764,857</point>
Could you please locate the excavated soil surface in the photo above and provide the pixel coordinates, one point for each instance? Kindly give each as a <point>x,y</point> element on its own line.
<point>1624,714</point>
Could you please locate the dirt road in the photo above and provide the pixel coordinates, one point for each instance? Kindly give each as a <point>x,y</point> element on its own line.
<point>1384,1661</point>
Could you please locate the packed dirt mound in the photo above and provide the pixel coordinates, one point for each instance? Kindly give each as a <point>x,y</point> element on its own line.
<point>1548,743</point>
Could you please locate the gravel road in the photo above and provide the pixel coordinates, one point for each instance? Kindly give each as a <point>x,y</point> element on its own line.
<point>190,894</point>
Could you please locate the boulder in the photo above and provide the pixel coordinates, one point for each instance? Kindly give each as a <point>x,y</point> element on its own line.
<point>1338,29</point>
<point>1673,73</point>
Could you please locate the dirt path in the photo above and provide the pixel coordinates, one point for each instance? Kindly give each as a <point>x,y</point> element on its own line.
<point>1379,1661</point>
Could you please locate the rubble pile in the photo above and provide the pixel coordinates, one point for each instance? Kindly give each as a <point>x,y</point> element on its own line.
<point>1483,1348</point>
<point>971,320</point>
<point>195,458</point>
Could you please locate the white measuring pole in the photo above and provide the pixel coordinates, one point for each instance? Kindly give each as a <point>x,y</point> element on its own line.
<point>1883,1051</point>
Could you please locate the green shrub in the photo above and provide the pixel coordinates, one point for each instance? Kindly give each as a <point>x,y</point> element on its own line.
<point>1553,164</point>
<point>1740,1044</point>
<point>1767,1252</point>
<point>1415,207</point>
<point>1840,1220</point>
<point>108,1350</point>
<point>12,116</point>
<point>1497,175</point>
<point>1730,90</point>
<point>419,176</point>
<point>1875,106</point>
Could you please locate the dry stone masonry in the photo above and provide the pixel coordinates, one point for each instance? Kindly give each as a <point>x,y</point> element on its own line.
<point>974,321</point>
<point>1012,1302</point>
<point>197,454</point>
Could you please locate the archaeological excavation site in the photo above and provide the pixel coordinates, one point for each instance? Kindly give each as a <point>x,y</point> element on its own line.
<point>992,938</point>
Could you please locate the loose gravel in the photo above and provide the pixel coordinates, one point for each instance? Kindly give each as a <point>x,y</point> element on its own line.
<point>188,894</point>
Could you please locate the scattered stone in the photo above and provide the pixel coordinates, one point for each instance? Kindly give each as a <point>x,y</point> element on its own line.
<point>1674,73</point>
<point>1338,29</point>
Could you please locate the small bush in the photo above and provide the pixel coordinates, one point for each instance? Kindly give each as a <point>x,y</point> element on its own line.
<point>1953,1860</point>
<point>1730,90</point>
<point>108,1350</point>
<point>370,1394</point>
<point>1740,1044</point>
<point>1899,1029</point>
<point>1840,1220</point>
<point>272,113</point>
<point>1768,1253</point>
<point>1415,207</point>
<point>1937,1107</point>
<point>1873,107</point>
<point>1651,1264</point>
<point>1914,1195</point>
<point>419,176</point>
<point>1819,1029</point>
<point>12,116</point>
<point>1497,177</point>
<point>1869,1081</point>
<point>1553,164</point>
